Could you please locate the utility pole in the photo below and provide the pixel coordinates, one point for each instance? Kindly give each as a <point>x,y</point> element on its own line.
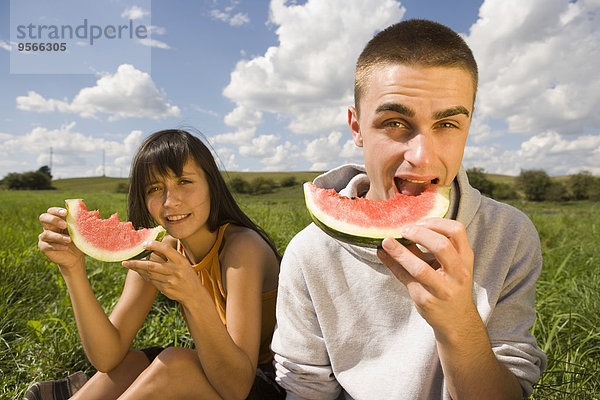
<point>103,164</point>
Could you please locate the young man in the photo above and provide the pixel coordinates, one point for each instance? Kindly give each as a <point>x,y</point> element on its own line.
<point>401,322</point>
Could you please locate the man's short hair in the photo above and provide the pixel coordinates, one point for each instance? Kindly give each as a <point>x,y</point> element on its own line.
<point>414,42</point>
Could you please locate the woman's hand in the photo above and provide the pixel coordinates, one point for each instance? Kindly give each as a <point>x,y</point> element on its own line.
<point>55,242</point>
<point>168,270</point>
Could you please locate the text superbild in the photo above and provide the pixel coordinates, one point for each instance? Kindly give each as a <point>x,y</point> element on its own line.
<point>83,31</point>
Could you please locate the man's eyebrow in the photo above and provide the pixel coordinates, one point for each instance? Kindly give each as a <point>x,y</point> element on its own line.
<point>451,112</point>
<point>396,107</point>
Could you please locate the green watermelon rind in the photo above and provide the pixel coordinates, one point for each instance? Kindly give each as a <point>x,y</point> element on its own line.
<point>374,241</point>
<point>355,240</point>
<point>136,252</point>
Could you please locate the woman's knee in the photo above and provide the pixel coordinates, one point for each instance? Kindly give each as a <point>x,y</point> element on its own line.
<point>106,385</point>
<point>174,360</point>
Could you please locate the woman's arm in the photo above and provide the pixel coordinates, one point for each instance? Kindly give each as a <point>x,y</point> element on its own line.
<point>104,342</point>
<point>232,368</point>
<point>228,354</point>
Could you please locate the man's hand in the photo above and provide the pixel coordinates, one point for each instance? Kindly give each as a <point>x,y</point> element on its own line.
<point>440,282</point>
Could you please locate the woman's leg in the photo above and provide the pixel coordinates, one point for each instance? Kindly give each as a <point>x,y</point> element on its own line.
<point>112,384</point>
<point>176,373</point>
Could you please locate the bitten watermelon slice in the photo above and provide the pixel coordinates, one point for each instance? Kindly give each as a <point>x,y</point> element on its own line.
<point>109,239</point>
<point>366,223</point>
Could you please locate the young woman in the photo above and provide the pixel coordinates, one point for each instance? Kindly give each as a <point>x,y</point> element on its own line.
<point>220,266</point>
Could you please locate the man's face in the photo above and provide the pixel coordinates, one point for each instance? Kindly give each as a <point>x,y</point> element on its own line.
<point>413,126</point>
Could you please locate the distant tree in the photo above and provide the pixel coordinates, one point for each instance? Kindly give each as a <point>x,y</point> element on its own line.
<point>239,185</point>
<point>535,183</point>
<point>478,179</point>
<point>262,185</point>
<point>288,181</point>
<point>13,180</point>
<point>122,187</point>
<point>581,184</point>
<point>31,180</point>
<point>504,191</point>
<point>46,170</point>
<point>594,191</point>
<point>557,191</point>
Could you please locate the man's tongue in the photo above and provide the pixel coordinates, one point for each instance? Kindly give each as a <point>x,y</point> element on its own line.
<point>411,187</point>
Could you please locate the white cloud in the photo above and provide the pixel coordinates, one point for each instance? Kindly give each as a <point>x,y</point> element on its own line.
<point>226,15</point>
<point>329,151</point>
<point>319,119</point>
<point>261,146</point>
<point>226,158</point>
<point>283,158</point>
<point>351,153</point>
<point>309,76</point>
<point>157,30</point>
<point>5,45</point>
<point>73,153</point>
<point>538,78</point>
<point>243,117</point>
<point>212,113</point>
<point>154,43</point>
<point>548,151</point>
<point>273,155</point>
<point>242,135</point>
<point>538,62</point>
<point>239,19</point>
<point>126,93</point>
<point>151,42</point>
<point>323,151</point>
<point>134,12</point>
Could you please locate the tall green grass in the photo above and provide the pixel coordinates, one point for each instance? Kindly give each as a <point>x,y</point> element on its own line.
<point>39,340</point>
<point>568,298</point>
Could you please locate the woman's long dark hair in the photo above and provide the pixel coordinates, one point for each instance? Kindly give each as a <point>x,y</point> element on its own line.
<point>166,152</point>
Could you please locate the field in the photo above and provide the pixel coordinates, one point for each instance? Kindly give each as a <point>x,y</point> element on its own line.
<point>38,337</point>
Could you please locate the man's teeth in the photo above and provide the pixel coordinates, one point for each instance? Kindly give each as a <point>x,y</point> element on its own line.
<point>418,181</point>
<point>174,218</point>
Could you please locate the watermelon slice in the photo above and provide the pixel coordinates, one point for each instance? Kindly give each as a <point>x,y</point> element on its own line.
<point>366,223</point>
<point>109,240</point>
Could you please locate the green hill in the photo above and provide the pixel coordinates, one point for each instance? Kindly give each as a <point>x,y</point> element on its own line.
<point>88,185</point>
<point>107,184</point>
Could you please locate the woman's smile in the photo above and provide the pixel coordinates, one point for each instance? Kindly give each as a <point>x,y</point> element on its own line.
<point>177,218</point>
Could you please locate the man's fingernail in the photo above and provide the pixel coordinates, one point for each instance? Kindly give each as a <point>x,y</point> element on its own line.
<point>389,243</point>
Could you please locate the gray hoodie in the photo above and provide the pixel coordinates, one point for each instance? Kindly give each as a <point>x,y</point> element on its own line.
<point>347,327</point>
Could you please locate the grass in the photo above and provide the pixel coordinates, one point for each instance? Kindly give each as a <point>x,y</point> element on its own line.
<point>38,337</point>
<point>567,298</point>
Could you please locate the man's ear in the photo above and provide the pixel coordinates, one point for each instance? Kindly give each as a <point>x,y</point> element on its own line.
<point>354,126</point>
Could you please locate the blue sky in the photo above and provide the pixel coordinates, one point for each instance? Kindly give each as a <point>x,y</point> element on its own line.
<point>268,82</point>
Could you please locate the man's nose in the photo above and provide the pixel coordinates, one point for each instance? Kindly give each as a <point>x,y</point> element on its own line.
<point>420,151</point>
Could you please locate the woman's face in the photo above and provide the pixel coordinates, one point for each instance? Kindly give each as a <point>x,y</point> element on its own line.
<point>181,204</point>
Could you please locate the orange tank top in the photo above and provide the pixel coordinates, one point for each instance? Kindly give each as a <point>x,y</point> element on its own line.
<point>209,272</point>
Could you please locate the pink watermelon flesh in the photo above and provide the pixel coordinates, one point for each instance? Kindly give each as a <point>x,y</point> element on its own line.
<point>106,239</point>
<point>366,222</point>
